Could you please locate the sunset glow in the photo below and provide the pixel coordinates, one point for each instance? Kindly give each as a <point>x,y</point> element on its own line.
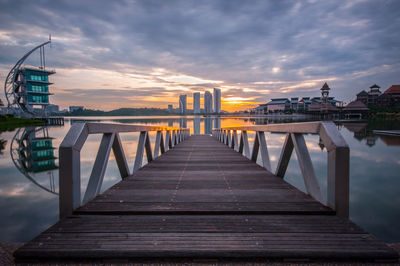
<point>145,54</point>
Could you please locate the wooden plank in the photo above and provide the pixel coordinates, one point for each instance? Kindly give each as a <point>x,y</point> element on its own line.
<point>310,237</point>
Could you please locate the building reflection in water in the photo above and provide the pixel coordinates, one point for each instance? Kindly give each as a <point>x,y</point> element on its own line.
<point>217,122</point>
<point>196,125</point>
<point>363,132</point>
<point>32,152</point>
<point>183,122</point>
<point>207,125</point>
<point>170,123</point>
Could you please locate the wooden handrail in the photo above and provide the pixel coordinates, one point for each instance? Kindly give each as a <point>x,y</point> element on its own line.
<point>70,164</point>
<point>337,148</point>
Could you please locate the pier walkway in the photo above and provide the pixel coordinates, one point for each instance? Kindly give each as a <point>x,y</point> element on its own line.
<point>203,200</point>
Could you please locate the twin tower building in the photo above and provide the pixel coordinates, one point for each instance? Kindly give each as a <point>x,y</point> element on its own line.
<point>209,106</point>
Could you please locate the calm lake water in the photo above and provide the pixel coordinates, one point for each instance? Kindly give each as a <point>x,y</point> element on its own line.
<point>29,184</point>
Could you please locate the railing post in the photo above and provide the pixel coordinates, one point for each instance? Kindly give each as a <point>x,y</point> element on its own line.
<point>168,142</point>
<point>306,166</point>
<point>246,147</point>
<point>70,180</point>
<point>227,132</point>
<point>235,141</point>
<point>338,180</point>
<point>157,144</point>
<point>148,148</point>
<point>120,157</point>
<point>264,150</point>
<point>173,143</point>
<point>70,169</point>
<point>99,168</point>
<point>284,158</point>
<point>140,151</point>
<point>338,168</point>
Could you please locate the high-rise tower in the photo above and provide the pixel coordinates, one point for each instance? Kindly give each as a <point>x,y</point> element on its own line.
<point>182,104</point>
<point>217,100</point>
<point>196,102</point>
<point>208,103</point>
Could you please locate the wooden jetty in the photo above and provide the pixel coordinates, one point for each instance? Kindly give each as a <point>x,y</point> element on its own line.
<point>202,200</point>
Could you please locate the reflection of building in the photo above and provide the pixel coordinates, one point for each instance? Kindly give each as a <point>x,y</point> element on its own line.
<point>182,104</point>
<point>183,123</point>
<point>32,152</point>
<point>361,131</point>
<point>196,125</point>
<point>207,125</point>
<point>196,102</point>
<point>217,100</point>
<point>391,140</point>
<point>208,103</point>
<point>217,122</point>
<point>38,151</point>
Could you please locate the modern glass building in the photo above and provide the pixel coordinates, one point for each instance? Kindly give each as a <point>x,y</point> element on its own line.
<point>36,83</point>
<point>217,100</point>
<point>208,103</point>
<point>182,104</point>
<point>27,88</point>
<point>196,103</point>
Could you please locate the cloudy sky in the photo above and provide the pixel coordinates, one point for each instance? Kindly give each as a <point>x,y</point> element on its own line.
<point>111,54</point>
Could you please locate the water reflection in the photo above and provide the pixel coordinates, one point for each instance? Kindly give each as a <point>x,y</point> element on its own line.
<point>217,122</point>
<point>3,143</point>
<point>32,152</point>
<point>27,210</point>
<point>183,122</point>
<point>365,131</point>
<point>196,125</point>
<point>208,125</point>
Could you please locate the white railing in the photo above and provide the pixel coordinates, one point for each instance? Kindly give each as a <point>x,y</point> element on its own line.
<point>70,164</point>
<point>338,156</point>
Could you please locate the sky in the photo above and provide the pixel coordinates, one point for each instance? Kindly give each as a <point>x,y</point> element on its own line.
<point>144,53</point>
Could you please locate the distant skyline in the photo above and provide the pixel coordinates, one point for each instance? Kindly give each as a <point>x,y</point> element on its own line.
<point>145,53</point>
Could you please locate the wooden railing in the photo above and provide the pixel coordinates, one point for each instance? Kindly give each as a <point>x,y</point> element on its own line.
<point>338,156</point>
<point>70,164</point>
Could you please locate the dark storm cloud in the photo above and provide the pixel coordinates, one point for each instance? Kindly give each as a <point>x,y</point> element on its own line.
<point>237,42</point>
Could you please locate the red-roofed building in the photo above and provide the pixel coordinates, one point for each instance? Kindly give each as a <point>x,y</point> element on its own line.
<point>394,90</point>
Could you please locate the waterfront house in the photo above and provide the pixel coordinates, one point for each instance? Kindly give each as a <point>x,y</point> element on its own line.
<point>356,109</point>
<point>278,104</point>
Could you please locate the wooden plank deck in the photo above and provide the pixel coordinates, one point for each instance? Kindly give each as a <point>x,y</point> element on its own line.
<point>204,200</point>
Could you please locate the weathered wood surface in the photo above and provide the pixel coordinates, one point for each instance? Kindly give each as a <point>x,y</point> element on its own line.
<point>204,200</point>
